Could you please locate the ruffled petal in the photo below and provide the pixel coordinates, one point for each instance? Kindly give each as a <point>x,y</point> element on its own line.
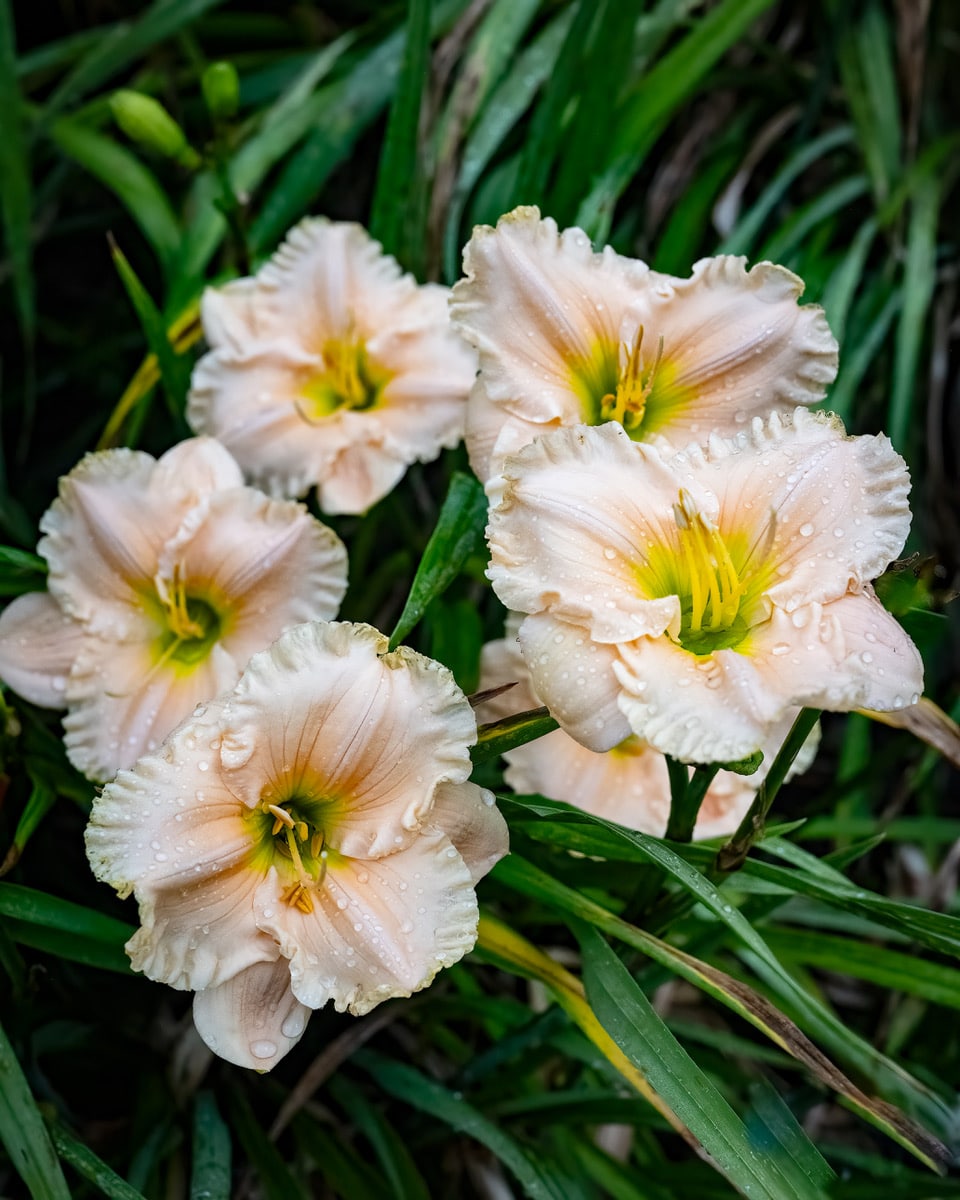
<point>38,646</point>
<point>362,469</point>
<point>253,1019</point>
<point>827,512</point>
<point>373,741</point>
<point>544,311</point>
<point>378,928</point>
<point>190,470</point>
<point>844,655</point>
<point>698,710</point>
<point>468,815</point>
<point>174,835</point>
<point>735,343</point>
<point>578,512</point>
<point>123,702</point>
<point>261,564</point>
<point>103,535</point>
<point>253,405</point>
<point>575,679</point>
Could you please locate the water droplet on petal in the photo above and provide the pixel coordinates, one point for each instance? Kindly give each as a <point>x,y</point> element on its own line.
<point>806,529</point>
<point>263,1049</point>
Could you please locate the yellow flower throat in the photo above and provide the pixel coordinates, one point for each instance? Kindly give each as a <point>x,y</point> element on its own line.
<point>349,380</point>
<point>290,837</point>
<point>715,587</point>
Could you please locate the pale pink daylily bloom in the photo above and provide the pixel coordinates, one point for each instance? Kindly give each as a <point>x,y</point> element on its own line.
<point>330,368</point>
<point>693,597</point>
<point>165,575</point>
<point>629,783</point>
<point>567,336</point>
<point>310,836</point>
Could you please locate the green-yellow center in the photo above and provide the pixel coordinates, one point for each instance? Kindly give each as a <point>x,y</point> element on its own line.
<point>630,383</point>
<point>290,834</point>
<point>715,577</point>
<point>190,624</point>
<point>349,380</point>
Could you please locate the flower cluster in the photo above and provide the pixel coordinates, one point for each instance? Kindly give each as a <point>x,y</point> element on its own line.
<point>688,549</point>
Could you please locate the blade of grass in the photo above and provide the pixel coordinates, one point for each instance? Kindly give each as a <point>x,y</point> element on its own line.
<point>24,1134</point>
<point>457,534</point>
<point>174,370</point>
<point>659,93</point>
<point>631,1020</point>
<point>210,1176</point>
<point>134,185</point>
<point>919,279</point>
<point>496,121</point>
<point>410,1086</point>
<point>15,183</point>
<point>90,1166</point>
<point>397,208</point>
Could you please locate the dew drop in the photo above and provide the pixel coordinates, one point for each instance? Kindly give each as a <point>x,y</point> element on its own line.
<point>263,1049</point>
<point>806,529</point>
<point>295,1024</point>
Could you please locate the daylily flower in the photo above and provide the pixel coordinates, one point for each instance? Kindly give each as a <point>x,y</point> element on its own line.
<point>693,597</point>
<point>567,336</point>
<point>165,576</point>
<point>629,783</point>
<point>330,367</point>
<point>310,836</point>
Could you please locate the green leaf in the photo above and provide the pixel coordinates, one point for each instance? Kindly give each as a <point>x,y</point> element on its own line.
<point>15,186</point>
<point>121,44</point>
<point>174,369</point>
<point>629,1017</point>
<point>34,907</point>
<point>276,1179</point>
<point>509,732</point>
<point>742,237</point>
<point>919,280</point>
<point>21,571</point>
<point>394,1157</point>
<point>496,122</point>
<point>458,532</point>
<point>134,185</point>
<point>86,1163</point>
<point>210,1176</point>
<point>659,93</point>
<point>396,216</point>
<point>887,968</point>
<point>411,1087</point>
<point>24,1134</point>
<point>39,803</point>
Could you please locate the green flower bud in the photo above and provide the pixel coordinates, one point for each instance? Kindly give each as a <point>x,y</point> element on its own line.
<point>145,121</point>
<point>221,90</point>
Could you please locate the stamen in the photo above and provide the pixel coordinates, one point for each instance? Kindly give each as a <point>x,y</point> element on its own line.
<point>634,385</point>
<point>715,587</point>
<point>283,817</point>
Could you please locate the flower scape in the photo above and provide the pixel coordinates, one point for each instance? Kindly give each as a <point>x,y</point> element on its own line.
<point>688,552</point>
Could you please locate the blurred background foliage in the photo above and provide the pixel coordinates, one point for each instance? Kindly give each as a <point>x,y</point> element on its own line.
<point>821,134</point>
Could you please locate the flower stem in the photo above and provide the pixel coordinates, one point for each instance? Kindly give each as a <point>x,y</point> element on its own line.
<point>732,856</point>
<point>686,796</point>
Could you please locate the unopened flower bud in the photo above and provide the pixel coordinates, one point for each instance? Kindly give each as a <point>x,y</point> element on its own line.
<point>145,121</point>
<point>221,90</point>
